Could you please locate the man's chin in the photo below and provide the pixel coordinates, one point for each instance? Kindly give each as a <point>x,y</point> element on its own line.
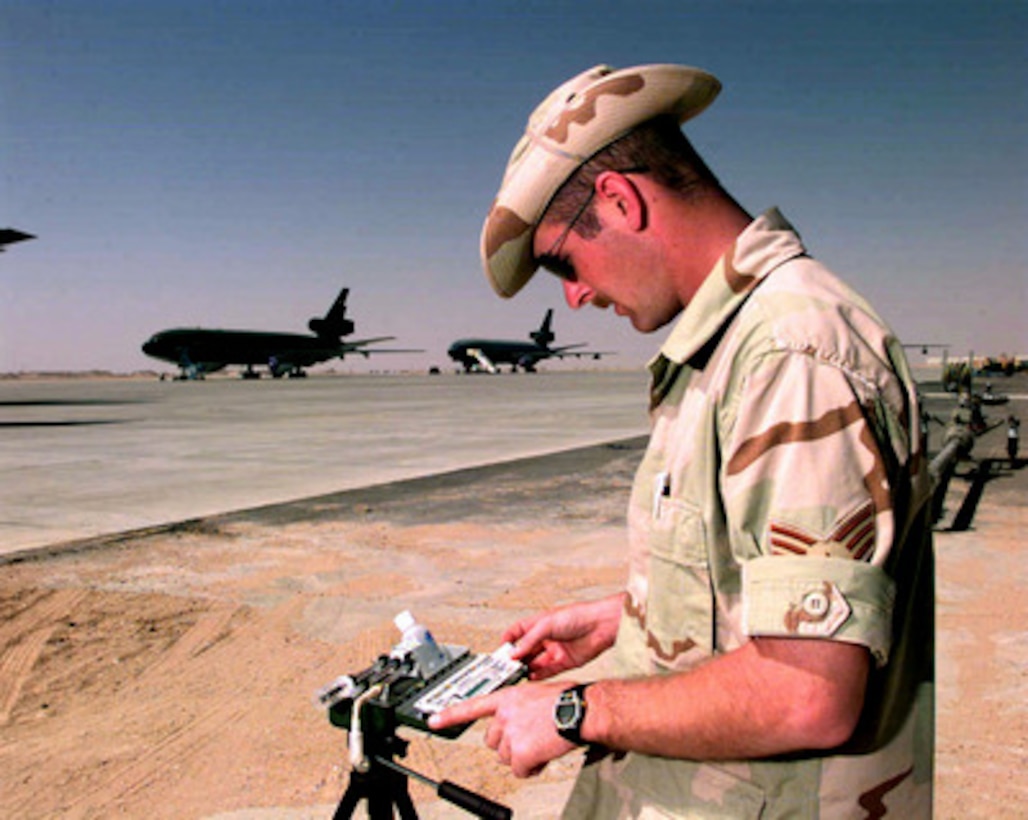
<point>641,324</point>
<point>648,324</point>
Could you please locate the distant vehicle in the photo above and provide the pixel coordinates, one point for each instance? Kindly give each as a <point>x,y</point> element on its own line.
<point>199,351</point>
<point>486,355</point>
<point>987,396</point>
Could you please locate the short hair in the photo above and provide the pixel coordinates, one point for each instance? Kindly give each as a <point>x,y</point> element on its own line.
<point>658,146</point>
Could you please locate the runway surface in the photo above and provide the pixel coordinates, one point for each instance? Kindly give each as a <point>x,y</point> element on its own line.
<point>81,457</point>
<point>86,457</point>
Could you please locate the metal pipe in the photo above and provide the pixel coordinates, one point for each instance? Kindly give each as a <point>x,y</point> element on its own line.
<point>958,444</point>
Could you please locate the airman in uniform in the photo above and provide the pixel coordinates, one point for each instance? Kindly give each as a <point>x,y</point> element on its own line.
<point>773,642</point>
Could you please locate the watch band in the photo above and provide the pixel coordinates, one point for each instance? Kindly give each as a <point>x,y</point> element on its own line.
<point>569,713</point>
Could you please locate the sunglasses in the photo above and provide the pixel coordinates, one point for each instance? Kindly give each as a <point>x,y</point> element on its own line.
<point>551,259</point>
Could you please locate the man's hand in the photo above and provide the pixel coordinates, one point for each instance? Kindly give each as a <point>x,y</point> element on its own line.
<point>521,731</point>
<point>565,638</point>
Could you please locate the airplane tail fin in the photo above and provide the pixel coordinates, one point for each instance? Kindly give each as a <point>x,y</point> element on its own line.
<point>334,324</point>
<point>543,336</point>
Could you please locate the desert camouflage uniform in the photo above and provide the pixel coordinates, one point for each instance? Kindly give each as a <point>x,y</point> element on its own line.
<point>783,494</point>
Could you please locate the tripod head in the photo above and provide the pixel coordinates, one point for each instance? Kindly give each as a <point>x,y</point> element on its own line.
<point>402,688</point>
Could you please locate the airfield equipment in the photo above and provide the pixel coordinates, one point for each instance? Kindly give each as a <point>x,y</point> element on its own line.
<point>405,686</point>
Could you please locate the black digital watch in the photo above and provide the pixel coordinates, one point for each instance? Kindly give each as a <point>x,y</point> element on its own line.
<point>569,713</point>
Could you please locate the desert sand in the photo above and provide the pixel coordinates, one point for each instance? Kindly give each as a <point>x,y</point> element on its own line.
<point>170,672</point>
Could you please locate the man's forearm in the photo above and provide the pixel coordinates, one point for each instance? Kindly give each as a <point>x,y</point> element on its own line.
<point>771,696</point>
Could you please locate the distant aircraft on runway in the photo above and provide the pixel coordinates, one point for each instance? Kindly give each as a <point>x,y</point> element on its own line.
<point>198,351</point>
<point>488,354</point>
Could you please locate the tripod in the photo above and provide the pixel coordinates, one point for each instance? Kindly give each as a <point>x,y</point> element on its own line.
<point>383,787</point>
<point>383,783</point>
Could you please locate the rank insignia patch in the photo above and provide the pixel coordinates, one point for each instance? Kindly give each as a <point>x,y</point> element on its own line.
<point>853,537</point>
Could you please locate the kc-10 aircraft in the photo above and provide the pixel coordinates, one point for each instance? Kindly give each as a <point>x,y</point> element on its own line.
<point>488,354</point>
<point>198,351</point>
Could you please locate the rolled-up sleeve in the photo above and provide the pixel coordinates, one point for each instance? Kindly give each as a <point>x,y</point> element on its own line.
<point>814,597</point>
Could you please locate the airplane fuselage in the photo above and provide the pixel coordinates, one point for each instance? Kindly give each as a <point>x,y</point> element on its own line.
<point>487,355</point>
<point>211,350</point>
<point>200,350</point>
<point>472,353</point>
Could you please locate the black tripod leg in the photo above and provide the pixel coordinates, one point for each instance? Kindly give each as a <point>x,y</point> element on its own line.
<point>388,791</point>
<point>380,807</point>
<point>401,796</point>
<point>383,790</point>
<point>351,797</point>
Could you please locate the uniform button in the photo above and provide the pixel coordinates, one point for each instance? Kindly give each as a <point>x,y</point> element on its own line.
<point>815,604</point>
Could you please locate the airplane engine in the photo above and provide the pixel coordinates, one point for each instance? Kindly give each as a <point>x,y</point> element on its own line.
<point>278,368</point>
<point>327,329</point>
<point>527,363</point>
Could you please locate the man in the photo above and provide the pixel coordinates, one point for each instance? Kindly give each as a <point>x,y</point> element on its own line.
<point>774,640</point>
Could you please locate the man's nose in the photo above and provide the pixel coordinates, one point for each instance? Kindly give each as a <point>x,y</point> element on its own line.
<point>576,294</point>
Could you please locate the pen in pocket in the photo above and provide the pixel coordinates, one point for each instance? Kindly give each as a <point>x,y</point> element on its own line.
<point>661,490</point>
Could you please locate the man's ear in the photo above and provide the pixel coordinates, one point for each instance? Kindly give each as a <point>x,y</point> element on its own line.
<point>621,199</point>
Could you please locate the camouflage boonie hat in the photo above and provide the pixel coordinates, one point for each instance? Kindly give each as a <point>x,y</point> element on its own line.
<point>578,119</point>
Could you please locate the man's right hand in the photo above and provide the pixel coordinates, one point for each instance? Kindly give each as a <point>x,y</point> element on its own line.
<point>567,637</point>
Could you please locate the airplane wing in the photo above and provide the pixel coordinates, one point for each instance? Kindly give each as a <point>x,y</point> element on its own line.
<point>360,346</point>
<point>359,343</point>
<point>570,350</point>
<point>9,236</point>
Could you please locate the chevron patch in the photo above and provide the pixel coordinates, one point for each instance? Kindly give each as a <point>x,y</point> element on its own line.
<point>853,537</point>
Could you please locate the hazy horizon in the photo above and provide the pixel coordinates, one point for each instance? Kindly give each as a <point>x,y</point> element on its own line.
<point>221,164</point>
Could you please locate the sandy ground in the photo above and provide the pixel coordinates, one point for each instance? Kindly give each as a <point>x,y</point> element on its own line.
<point>170,673</point>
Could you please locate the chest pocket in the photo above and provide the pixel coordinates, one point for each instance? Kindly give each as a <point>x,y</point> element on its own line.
<point>680,601</point>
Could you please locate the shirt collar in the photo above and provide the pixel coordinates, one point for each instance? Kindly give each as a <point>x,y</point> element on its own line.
<point>767,242</point>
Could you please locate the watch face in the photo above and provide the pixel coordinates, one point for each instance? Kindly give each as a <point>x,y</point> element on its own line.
<point>569,713</point>
<point>565,713</point>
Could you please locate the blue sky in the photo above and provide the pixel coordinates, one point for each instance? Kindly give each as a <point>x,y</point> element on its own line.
<point>233,164</point>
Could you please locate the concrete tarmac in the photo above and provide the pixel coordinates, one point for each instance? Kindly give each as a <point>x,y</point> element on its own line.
<point>81,458</point>
<point>86,457</point>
